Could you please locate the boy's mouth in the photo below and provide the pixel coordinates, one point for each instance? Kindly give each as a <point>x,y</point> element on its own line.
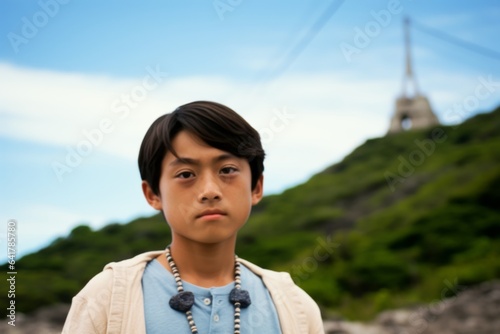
<point>211,214</point>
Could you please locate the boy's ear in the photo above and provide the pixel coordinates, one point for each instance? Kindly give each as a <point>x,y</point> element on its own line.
<point>153,199</point>
<point>258,191</point>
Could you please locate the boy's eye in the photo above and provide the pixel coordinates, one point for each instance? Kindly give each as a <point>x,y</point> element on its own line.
<point>185,175</point>
<point>228,170</point>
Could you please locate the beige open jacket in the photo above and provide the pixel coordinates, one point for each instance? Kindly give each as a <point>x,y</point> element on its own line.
<point>112,301</point>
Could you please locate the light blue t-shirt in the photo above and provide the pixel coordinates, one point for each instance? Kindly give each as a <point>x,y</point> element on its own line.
<point>212,311</point>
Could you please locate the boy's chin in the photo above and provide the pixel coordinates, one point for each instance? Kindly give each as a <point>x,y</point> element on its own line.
<point>215,238</point>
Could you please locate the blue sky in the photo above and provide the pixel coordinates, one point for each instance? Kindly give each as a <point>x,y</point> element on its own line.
<point>90,77</point>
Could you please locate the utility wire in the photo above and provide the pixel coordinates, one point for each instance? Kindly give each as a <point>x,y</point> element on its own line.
<point>299,47</point>
<point>279,66</point>
<point>457,41</point>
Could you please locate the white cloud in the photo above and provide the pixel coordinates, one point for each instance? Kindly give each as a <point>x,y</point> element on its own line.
<point>333,111</point>
<point>56,108</point>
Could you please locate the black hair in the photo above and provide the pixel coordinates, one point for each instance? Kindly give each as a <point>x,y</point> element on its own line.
<point>214,123</point>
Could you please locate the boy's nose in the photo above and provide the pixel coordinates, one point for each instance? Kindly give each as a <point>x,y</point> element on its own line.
<point>212,196</point>
<point>210,191</point>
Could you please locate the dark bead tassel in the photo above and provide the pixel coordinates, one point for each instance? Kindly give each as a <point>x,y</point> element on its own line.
<point>240,296</point>
<point>183,301</point>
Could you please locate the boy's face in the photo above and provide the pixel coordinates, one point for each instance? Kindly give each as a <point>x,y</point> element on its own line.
<point>205,193</point>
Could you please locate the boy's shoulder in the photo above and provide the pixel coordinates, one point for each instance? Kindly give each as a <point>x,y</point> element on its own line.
<point>295,307</point>
<point>139,260</point>
<point>267,274</point>
<point>120,273</point>
<point>110,292</point>
<point>280,284</point>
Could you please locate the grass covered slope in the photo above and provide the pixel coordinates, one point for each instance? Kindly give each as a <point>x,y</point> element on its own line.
<point>399,221</point>
<point>406,214</point>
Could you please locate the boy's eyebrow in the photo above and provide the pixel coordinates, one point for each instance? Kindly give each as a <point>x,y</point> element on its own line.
<point>195,162</point>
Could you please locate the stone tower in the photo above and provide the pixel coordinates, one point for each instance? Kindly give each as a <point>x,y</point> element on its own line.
<point>412,111</point>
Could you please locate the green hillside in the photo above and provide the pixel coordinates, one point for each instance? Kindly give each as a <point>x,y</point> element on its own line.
<point>397,222</point>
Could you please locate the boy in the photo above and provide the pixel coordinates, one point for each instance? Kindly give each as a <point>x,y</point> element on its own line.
<point>201,166</point>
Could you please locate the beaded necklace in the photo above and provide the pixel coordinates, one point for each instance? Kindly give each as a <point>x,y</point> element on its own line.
<point>184,300</point>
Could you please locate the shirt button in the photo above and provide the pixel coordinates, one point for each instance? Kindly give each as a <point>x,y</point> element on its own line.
<point>207,301</point>
<point>216,317</point>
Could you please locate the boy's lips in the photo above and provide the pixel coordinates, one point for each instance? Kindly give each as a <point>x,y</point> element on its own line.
<point>211,213</point>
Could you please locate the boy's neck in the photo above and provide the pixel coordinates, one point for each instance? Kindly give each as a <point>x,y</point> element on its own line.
<point>204,265</point>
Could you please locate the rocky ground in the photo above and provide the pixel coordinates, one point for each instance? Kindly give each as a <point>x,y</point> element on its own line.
<point>471,311</point>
